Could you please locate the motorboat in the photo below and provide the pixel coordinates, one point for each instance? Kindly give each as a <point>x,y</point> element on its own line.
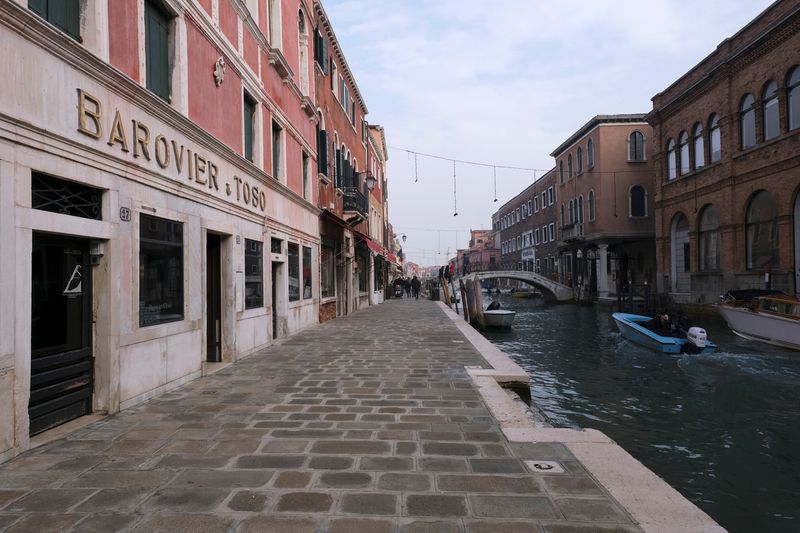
<point>765,316</point>
<point>499,318</point>
<point>524,293</point>
<point>692,341</point>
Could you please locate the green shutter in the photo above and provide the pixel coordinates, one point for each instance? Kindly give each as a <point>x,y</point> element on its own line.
<point>64,14</point>
<point>249,113</point>
<point>156,26</point>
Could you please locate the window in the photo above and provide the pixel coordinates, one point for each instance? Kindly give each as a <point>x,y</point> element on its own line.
<point>293,256</point>
<point>536,236</point>
<point>65,197</point>
<point>380,266</point>
<point>530,206</point>
<point>671,160</point>
<point>562,215</point>
<point>544,201</point>
<point>580,160</point>
<point>518,215</point>
<point>334,79</point>
<point>321,51</point>
<point>275,26</point>
<point>302,46</point>
<point>253,274</point>
<point>569,166</point>
<point>591,206</point>
<point>571,212</point>
<point>277,151</point>
<point>770,102</point>
<point>322,152</point>
<point>536,204</point>
<point>793,98</point>
<point>580,209</point>
<point>638,201</point>
<point>551,197</point>
<point>699,146</point>
<point>160,271</point>
<point>683,143</point>
<point>249,106</point>
<point>708,239</point>
<point>636,146</point>
<point>748,122</point>
<point>524,210</point>
<point>156,44</point>
<point>544,233</point>
<point>590,153</point>
<point>519,242</point>
<point>714,140</point>
<point>363,281</point>
<point>306,272</point>
<point>306,178</point>
<point>561,172</point>
<point>552,231</point>
<point>762,232</point>
<point>64,14</point>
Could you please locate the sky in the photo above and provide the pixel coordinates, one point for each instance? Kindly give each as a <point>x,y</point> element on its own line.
<point>504,83</point>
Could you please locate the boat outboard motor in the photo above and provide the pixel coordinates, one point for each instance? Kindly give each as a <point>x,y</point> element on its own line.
<point>695,340</point>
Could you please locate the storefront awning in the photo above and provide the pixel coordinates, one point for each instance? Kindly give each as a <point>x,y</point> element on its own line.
<point>372,245</point>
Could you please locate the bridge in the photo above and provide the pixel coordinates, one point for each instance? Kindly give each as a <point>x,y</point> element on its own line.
<point>551,289</point>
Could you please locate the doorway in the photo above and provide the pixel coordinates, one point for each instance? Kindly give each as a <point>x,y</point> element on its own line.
<point>213,299</point>
<point>61,349</point>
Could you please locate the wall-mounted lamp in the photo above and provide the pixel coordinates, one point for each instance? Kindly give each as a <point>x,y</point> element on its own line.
<point>371,181</point>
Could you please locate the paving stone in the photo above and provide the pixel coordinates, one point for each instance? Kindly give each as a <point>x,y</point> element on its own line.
<point>584,528</point>
<point>405,482</point>
<point>330,463</point>
<point>582,486</point>
<point>449,448</point>
<point>431,527</point>
<point>246,500</point>
<point>406,448</point>
<point>513,507</point>
<point>285,446</point>
<point>476,483</point>
<point>354,525</point>
<point>505,527</point>
<point>270,461</point>
<point>435,505</point>
<point>112,500</point>
<point>498,466</point>
<point>103,523</point>
<point>305,502</point>
<point>185,500</point>
<point>233,447</point>
<point>590,510</point>
<point>184,523</point>
<point>369,504</point>
<point>222,478</point>
<point>307,434</point>
<point>193,461</point>
<point>351,447</point>
<point>543,451</point>
<point>441,464</point>
<point>7,496</point>
<point>122,479</point>
<point>186,446</point>
<point>344,479</point>
<point>44,523</point>
<point>8,519</point>
<point>495,450</point>
<point>292,480</point>
<point>386,464</point>
<point>49,500</point>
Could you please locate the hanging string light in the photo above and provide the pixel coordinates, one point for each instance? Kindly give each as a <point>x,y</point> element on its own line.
<point>495,183</point>
<point>455,198</point>
<point>416,174</point>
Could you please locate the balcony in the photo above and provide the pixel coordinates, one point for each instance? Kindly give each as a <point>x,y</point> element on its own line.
<point>572,232</point>
<point>355,204</point>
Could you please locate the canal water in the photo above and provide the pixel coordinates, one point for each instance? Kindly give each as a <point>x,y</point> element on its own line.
<point>723,429</point>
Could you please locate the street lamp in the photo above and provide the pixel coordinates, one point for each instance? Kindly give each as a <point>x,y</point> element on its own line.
<point>403,236</point>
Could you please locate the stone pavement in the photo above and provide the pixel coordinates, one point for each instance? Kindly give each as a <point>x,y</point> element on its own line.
<point>366,424</point>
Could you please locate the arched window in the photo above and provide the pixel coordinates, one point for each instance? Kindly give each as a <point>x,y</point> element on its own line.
<point>591,206</point>
<point>770,107</point>
<point>569,166</point>
<point>636,146</point>
<point>562,215</point>
<point>708,239</point>
<point>793,98</point>
<point>638,202</point>
<point>748,122</point>
<point>714,141</point>
<point>302,46</point>
<point>762,231</point>
<point>672,167</point>
<point>580,209</point>
<point>561,171</point>
<point>683,143</point>
<point>580,161</point>
<point>699,146</point>
<point>590,153</point>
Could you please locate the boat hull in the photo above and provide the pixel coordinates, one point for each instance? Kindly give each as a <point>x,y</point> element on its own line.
<point>771,329</point>
<point>499,318</point>
<point>631,327</point>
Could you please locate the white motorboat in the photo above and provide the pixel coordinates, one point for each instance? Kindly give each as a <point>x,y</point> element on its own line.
<point>499,318</point>
<point>774,319</point>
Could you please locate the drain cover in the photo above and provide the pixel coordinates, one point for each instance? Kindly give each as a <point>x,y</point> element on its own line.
<point>545,467</point>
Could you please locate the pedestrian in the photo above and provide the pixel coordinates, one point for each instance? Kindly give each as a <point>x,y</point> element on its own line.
<point>415,285</point>
<point>408,287</point>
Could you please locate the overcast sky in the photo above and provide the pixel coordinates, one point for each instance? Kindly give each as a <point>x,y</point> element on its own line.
<point>506,82</point>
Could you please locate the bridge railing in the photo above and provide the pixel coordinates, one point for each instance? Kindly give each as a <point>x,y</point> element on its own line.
<point>474,268</point>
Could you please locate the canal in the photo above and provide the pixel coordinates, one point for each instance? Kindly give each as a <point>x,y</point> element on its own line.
<point>723,429</point>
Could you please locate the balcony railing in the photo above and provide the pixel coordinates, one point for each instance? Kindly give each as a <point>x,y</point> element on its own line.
<point>355,203</point>
<point>572,232</point>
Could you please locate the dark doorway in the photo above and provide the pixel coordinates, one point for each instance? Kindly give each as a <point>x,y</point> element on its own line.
<point>275,267</point>
<point>61,348</point>
<point>213,299</point>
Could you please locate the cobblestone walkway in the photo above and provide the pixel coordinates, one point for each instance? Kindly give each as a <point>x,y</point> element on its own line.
<point>366,424</point>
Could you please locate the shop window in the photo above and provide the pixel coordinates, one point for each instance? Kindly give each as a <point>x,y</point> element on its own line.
<point>770,111</point>
<point>327,269</point>
<point>762,232</point>
<point>307,269</point>
<point>160,271</point>
<point>748,122</point>
<point>380,266</point>
<point>64,14</point>
<point>708,239</point>
<point>156,43</point>
<point>363,280</point>
<point>293,259</point>
<point>253,274</point>
<point>65,197</point>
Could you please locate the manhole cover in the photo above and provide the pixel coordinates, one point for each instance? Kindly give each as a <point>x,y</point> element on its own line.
<point>545,467</point>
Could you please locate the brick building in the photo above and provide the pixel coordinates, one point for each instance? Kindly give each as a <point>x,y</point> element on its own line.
<point>482,253</point>
<point>725,154</point>
<point>526,225</point>
<point>605,206</point>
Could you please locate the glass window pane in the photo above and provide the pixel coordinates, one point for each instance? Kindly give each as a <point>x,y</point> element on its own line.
<point>715,140</point>
<point>684,148</point>
<point>793,98</point>
<point>748,123</point>
<point>762,232</point>
<point>253,274</point>
<point>306,272</point>
<point>293,256</point>
<point>160,271</point>
<point>671,160</point>
<point>699,147</point>
<point>771,121</point>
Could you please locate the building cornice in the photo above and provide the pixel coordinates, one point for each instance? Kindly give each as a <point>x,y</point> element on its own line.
<point>598,120</point>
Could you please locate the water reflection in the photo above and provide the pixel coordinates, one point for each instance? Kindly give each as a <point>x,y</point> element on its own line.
<point>722,428</point>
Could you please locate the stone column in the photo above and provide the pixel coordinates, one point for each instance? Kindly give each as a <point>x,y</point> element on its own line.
<point>602,271</point>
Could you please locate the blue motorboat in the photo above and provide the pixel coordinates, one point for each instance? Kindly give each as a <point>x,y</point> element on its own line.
<point>692,341</point>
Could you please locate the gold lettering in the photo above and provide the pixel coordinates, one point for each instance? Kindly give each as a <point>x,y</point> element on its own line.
<point>118,133</point>
<point>178,157</point>
<point>200,169</point>
<point>246,193</point>
<point>262,200</point>
<point>238,181</point>
<point>162,151</point>
<point>190,159</point>
<point>139,141</point>
<point>212,176</point>
<point>96,131</point>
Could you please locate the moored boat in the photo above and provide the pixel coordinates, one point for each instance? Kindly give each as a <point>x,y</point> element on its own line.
<point>771,318</point>
<point>632,327</point>
<point>499,318</point>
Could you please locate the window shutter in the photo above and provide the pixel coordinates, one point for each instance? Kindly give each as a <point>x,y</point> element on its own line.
<point>322,153</point>
<point>39,7</point>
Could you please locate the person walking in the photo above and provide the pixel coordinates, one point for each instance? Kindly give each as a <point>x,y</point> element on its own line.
<point>415,285</point>
<point>408,287</point>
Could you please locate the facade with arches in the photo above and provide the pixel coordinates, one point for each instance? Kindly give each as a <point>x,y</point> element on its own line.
<point>605,208</point>
<point>725,153</point>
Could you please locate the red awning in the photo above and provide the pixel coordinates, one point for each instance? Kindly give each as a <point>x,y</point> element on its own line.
<point>392,259</point>
<point>372,245</point>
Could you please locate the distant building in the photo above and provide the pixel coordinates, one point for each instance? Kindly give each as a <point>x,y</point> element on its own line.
<point>482,253</point>
<point>605,206</point>
<point>725,154</point>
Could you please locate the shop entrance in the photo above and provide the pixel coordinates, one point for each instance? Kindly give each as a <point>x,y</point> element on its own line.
<point>61,349</point>
<point>213,298</point>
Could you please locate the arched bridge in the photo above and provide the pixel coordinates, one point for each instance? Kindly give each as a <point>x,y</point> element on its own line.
<point>551,289</point>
